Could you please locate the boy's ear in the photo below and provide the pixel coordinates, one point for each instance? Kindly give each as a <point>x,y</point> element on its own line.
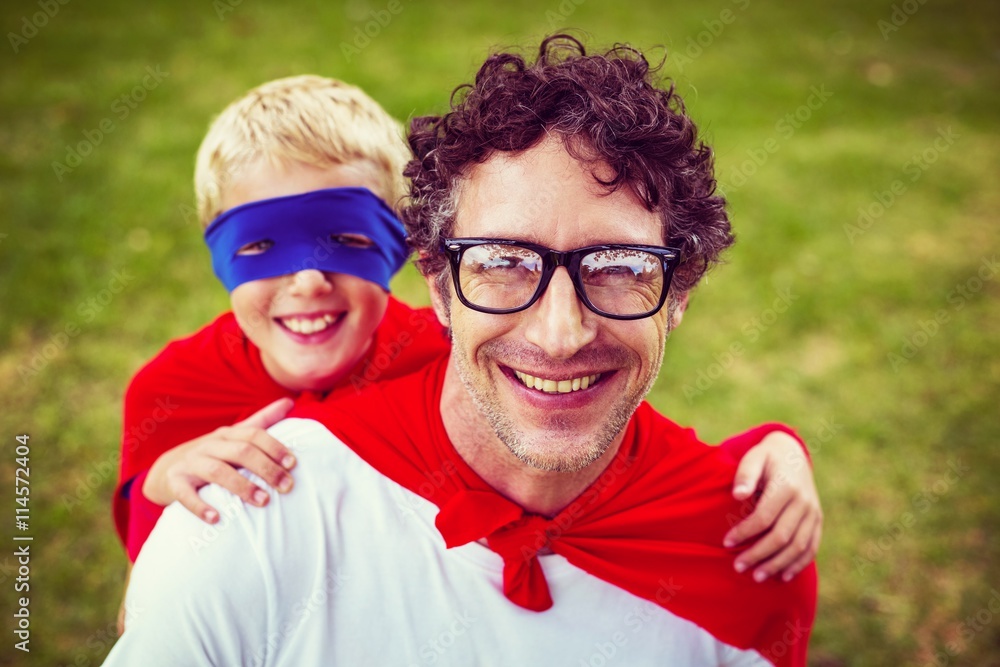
<point>678,314</point>
<point>440,296</point>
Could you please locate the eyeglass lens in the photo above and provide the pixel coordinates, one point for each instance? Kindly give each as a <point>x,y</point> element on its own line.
<point>618,281</point>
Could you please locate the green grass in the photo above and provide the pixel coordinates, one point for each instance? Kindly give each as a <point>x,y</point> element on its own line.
<point>883,436</point>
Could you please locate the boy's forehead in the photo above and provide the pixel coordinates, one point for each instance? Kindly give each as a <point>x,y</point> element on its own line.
<point>264,179</point>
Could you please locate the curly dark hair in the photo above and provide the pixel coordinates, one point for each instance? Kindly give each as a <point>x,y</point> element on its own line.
<point>610,111</point>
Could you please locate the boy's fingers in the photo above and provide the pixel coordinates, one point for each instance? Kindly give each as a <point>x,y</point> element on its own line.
<point>748,473</point>
<point>269,415</point>
<point>277,451</point>
<point>223,474</point>
<point>806,557</point>
<point>795,547</point>
<point>779,545</point>
<point>262,441</point>
<point>188,496</point>
<point>763,516</point>
<point>249,455</point>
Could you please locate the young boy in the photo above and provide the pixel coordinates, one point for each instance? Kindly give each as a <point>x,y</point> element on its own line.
<point>291,184</point>
<point>296,326</point>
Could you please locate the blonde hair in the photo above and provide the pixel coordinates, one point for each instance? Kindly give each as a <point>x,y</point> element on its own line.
<point>308,119</point>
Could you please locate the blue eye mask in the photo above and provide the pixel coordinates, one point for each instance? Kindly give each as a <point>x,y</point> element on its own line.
<point>301,232</point>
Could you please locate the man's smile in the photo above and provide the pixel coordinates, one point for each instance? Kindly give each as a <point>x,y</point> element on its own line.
<point>557,386</point>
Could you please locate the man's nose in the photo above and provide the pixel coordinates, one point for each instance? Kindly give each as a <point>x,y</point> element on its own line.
<point>558,322</point>
<point>309,283</point>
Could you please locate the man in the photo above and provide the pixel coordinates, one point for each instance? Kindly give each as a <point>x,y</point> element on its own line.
<point>517,502</point>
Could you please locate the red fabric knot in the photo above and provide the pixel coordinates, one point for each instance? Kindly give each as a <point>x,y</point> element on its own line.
<point>516,536</point>
<point>518,544</point>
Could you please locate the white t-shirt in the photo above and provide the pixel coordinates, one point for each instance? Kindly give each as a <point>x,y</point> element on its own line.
<point>348,569</point>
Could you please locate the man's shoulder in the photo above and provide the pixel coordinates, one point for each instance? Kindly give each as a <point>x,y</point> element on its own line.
<point>671,444</point>
<point>685,477</point>
<point>320,470</point>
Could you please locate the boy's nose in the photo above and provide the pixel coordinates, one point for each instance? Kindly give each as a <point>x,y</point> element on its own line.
<point>310,282</point>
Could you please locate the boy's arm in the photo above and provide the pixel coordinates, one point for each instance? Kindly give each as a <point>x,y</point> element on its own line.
<point>775,479</point>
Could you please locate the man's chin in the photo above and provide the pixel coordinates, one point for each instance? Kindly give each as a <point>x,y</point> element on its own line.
<point>566,448</point>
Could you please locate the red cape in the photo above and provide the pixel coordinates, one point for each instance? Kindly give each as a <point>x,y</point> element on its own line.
<point>215,378</point>
<point>652,523</point>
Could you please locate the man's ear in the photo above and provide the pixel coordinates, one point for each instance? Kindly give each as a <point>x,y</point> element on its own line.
<point>678,314</point>
<point>440,296</point>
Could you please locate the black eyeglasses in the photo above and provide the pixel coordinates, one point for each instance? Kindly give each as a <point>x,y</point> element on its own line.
<point>623,282</point>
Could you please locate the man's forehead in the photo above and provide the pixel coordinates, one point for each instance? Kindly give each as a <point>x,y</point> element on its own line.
<point>546,195</point>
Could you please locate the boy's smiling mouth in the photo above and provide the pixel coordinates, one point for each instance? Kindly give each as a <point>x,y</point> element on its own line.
<point>309,324</point>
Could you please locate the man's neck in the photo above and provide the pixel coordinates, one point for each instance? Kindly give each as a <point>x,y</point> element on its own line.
<point>539,491</point>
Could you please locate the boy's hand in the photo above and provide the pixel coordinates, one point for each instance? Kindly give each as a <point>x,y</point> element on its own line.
<point>214,458</point>
<point>788,509</point>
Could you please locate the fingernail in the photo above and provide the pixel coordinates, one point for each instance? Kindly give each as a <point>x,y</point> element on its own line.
<point>741,489</point>
<point>259,497</point>
<point>288,462</point>
<point>728,542</point>
<point>211,516</point>
<point>787,576</point>
<point>740,566</point>
<point>285,485</point>
<point>759,576</point>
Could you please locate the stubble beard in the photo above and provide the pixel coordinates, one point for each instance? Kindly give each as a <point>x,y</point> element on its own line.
<point>528,450</point>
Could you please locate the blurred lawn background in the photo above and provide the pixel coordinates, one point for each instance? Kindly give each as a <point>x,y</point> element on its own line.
<point>102,264</point>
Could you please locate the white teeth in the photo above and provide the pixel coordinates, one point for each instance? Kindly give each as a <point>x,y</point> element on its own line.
<point>302,325</point>
<point>557,386</point>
